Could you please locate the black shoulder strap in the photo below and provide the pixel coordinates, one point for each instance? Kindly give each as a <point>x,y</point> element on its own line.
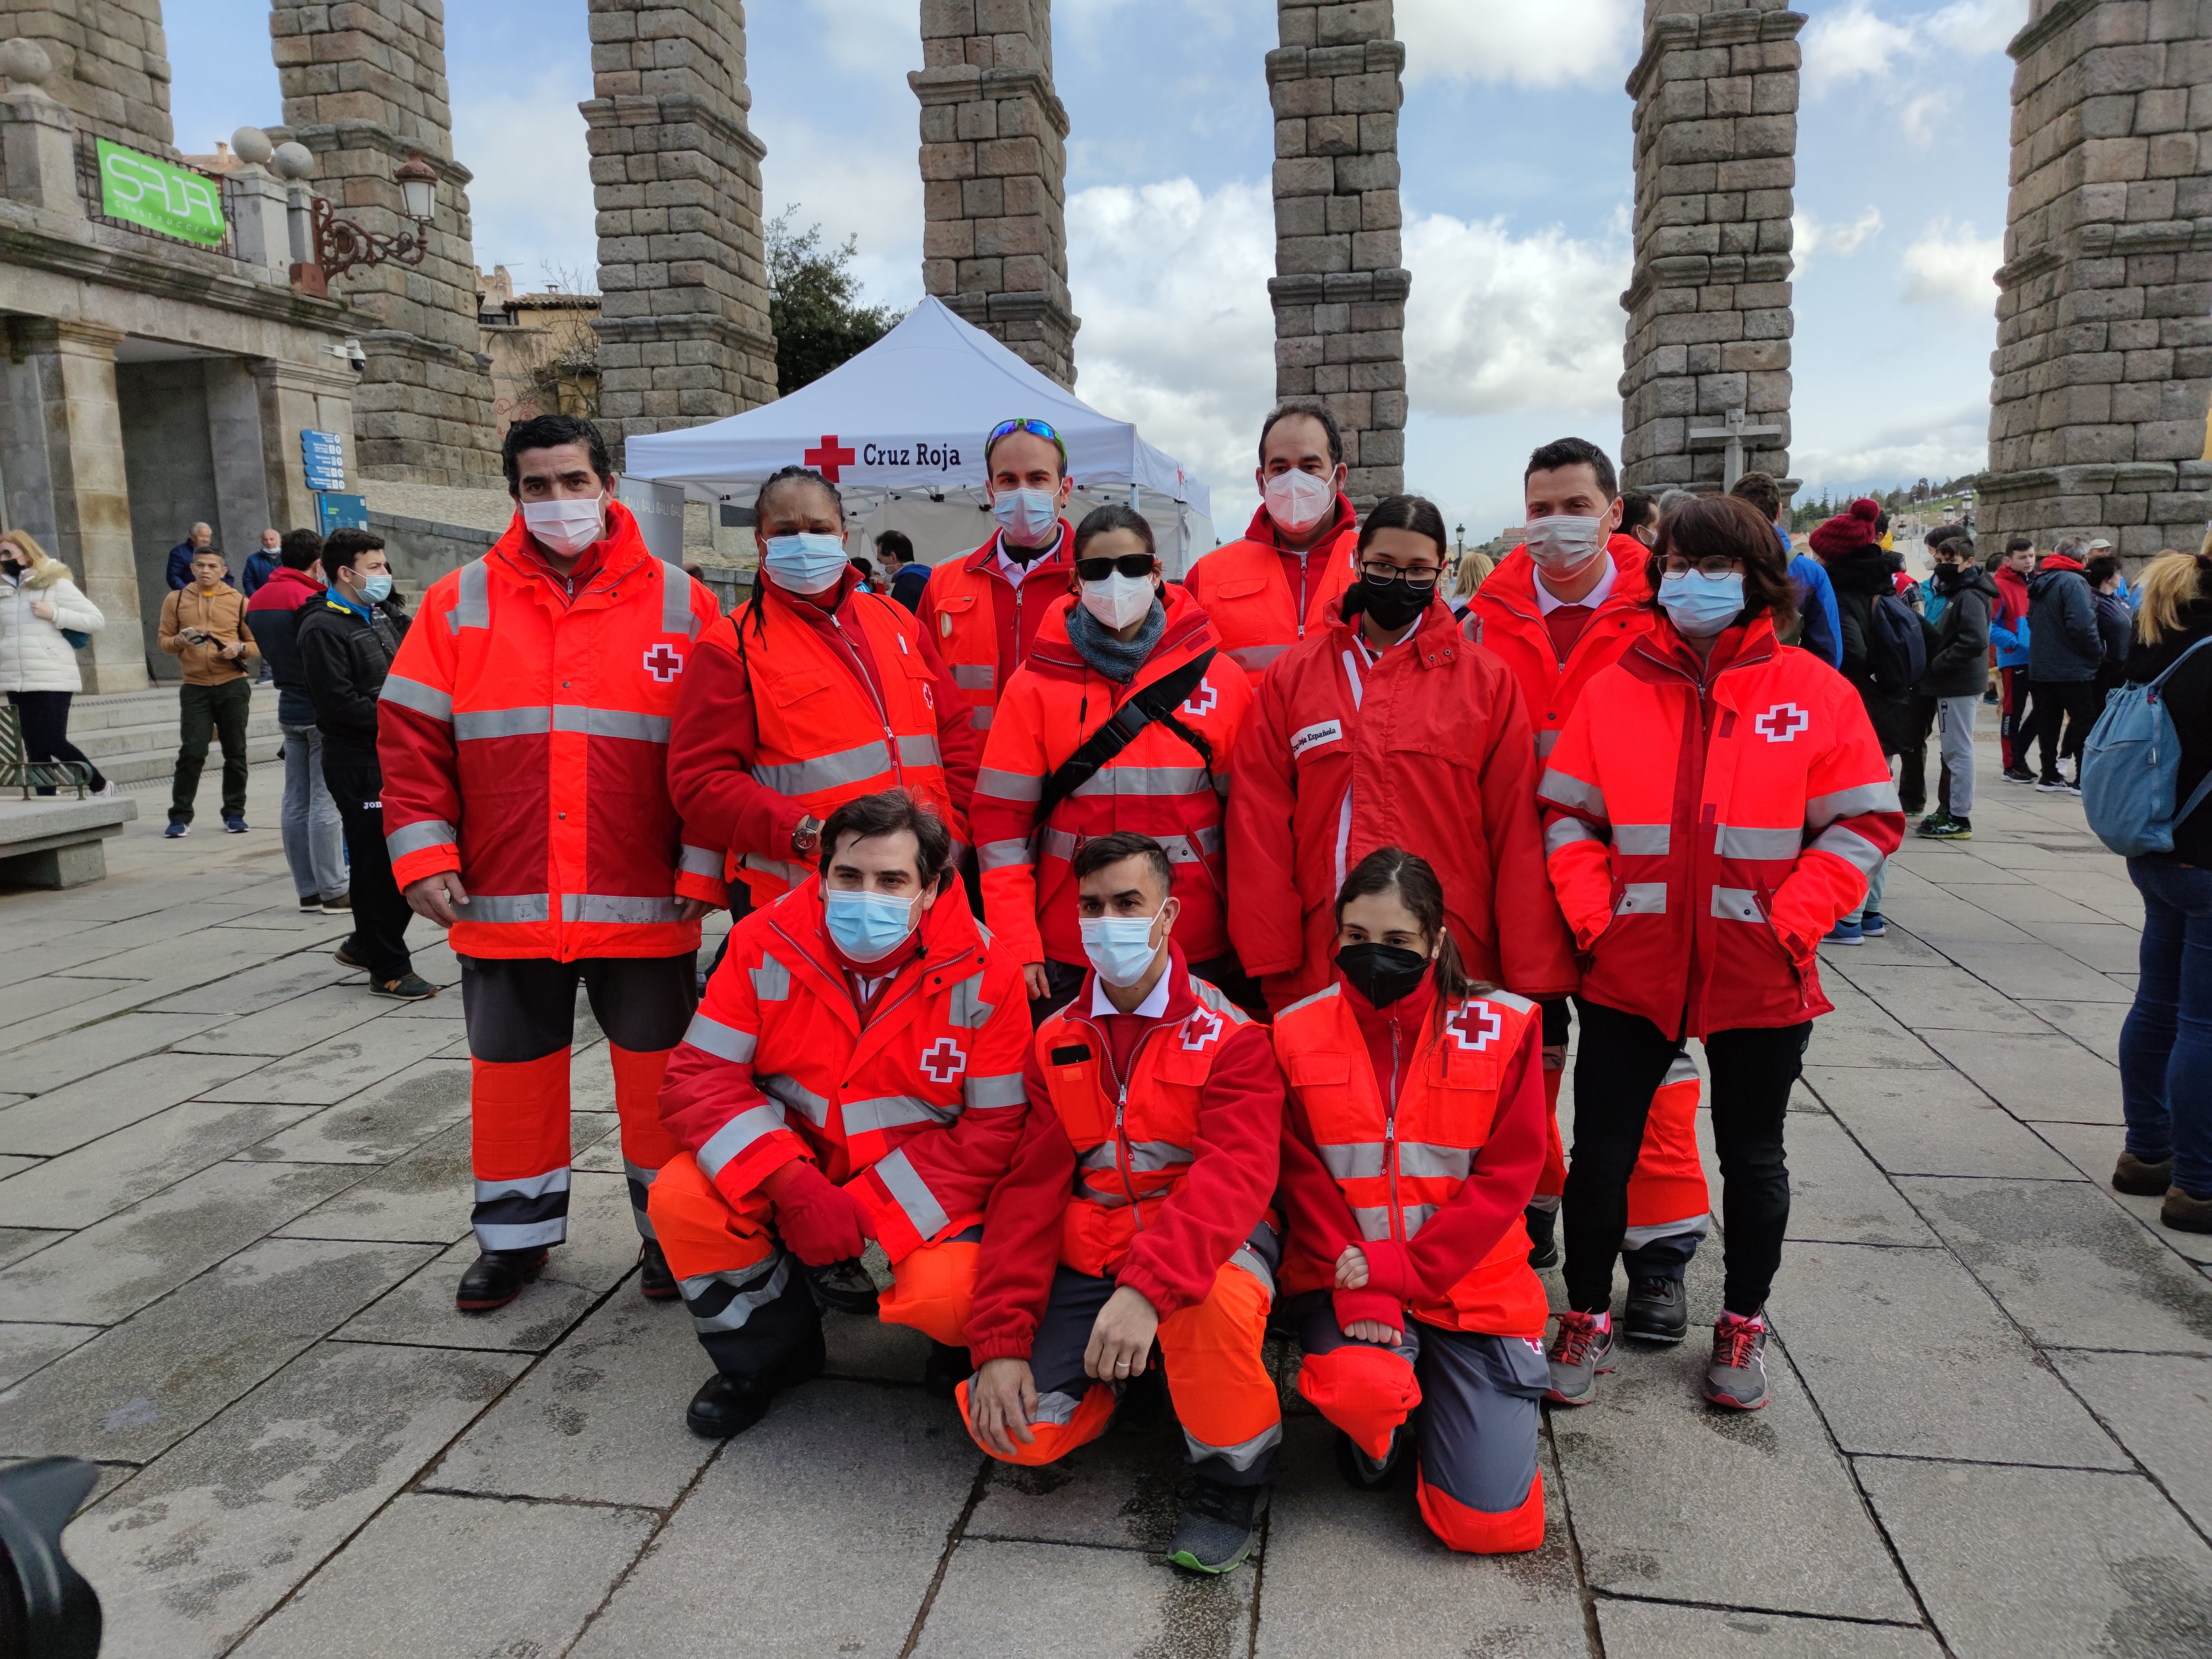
<point>1153,704</point>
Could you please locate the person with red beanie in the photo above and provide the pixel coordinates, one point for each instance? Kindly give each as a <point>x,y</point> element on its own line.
<point>1415,1131</point>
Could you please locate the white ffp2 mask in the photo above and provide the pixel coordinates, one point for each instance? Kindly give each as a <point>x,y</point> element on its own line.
<point>1119,600</point>
<point>1298,501</point>
<point>566,527</point>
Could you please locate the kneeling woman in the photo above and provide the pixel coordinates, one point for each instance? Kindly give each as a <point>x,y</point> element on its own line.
<point>1415,1133</point>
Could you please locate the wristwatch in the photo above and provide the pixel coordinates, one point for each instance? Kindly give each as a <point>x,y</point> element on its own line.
<point>807,837</point>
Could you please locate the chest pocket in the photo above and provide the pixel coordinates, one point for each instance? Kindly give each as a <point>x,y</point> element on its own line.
<point>952,613</point>
<point>1240,589</point>
<point>1320,1070</point>
<point>1071,1075</point>
<point>785,691</point>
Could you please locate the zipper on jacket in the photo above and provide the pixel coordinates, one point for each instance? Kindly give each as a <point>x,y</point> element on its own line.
<point>1122,1152</point>
<point>1302,592</point>
<point>1390,1140</point>
<point>891,739</point>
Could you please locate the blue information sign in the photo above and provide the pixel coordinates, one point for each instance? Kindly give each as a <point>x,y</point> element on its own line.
<point>335,512</point>
<point>325,455</point>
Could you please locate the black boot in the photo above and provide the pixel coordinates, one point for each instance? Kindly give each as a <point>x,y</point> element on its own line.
<point>728,1405</point>
<point>495,1279</point>
<point>1543,1237</point>
<point>946,1371</point>
<point>1218,1524</point>
<point>1658,1310</point>
<point>655,1282</point>
<point>1362,1473</point>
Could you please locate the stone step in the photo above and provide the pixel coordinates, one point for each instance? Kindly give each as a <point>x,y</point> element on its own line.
<point>155,705</point>
<point>131,735</point>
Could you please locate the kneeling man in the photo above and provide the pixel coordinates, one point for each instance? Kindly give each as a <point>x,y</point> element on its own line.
<point>854,1073</point>
<point>1137,1207</point>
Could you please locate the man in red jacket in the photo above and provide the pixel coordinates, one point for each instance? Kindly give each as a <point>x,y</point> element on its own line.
<point>1136,1208</point>
<point>1559,611</point>
<point>1270,590</point>
<point>1387,728</point>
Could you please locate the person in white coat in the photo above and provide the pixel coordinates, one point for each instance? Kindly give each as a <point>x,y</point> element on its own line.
<point>38,664</point>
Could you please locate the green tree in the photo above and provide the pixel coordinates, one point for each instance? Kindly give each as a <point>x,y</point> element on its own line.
<point>813,303</point>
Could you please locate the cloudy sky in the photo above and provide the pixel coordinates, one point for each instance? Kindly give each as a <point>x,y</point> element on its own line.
<point>1515,143</point>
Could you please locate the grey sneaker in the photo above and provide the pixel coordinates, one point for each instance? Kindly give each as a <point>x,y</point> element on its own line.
<point>1736,1379</point>
<point>1578,1352</point>
<point>1217,1527</point>
<point>408,987</point>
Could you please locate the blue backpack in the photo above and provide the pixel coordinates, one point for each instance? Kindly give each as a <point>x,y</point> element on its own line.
<point>2128,768</point>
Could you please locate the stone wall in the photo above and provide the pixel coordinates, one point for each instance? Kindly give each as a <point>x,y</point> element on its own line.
<point>994,175</point>
<point>683,324</point>
<point>110,61</point>
<point>1708,303</point>
<point>364,85</point>
<point>1340,289</point>
<point>2103,371</point>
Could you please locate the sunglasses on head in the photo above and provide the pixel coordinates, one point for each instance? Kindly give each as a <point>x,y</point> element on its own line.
<point>1034,428</point>
<point>1129,564</point>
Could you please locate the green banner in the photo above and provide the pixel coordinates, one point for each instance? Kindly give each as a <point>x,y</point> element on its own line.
<point>159,196</point>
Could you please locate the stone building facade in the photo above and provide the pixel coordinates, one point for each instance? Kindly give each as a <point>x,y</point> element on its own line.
<point>2103,372</point>
<point>110,64</point>
<point>1339,288</point>
<point>683,326</point>
<point>1705,390</point>
<point>994,176</point>
<point>365,90</point>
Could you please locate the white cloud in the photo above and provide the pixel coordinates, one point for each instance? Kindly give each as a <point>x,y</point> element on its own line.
<point>870,36</point>
<point>531,198</point>
<point>1951,265</point>
<point>1941,446</point>
<point>1559,43</point>
<point>1808,236</point>
<point>1856,43</point>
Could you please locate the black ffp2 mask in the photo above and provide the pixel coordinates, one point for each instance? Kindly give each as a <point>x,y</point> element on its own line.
<point>1381,973</point>
<point>1395,603</point>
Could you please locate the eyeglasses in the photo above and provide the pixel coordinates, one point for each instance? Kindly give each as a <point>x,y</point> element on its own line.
<point>1713,564</point>
<point>1129,564</point>
<point>1034,428</point>
<point>1418,575</point>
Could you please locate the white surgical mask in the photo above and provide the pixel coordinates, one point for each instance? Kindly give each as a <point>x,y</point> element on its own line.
<point>1029,517</point>
<point>1565,543</point>
<point>1298,501</point>
<point>1119,947</point>
<point>1119,600</point>
<point>809,563</point>
<point>566,527</point>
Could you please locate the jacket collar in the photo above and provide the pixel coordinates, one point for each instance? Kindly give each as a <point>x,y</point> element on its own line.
<point>1346,521</point>
<point>1188,631</point>
<point>285,590</point>
<point>1664,655</point>
<point>1182,1002</point>
<point>1435,642</point>
<point>1513,584</point>
<point>621,551</point>
<point>984,561</point>
<point>951,947</point>
<point>2058,561</point>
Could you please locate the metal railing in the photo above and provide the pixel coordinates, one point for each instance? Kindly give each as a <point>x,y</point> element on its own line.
<point>19,771</point>
<point>88,188</point>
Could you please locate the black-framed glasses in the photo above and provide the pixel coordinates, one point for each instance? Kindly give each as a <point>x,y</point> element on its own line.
<point>1129,564</point>
<point>1035,429</point>
<point>1713,564</point>
<point>1420,575</point>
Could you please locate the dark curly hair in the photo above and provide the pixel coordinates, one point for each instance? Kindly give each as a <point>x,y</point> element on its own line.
<point>1709,525</point>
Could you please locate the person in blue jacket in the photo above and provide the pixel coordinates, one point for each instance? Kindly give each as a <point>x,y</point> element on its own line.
<point>1823,634</point>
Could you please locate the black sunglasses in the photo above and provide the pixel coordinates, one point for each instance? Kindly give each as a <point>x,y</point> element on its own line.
<point>1129,564</point>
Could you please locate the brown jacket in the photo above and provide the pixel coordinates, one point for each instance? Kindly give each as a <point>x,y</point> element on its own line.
<point>221,614</point>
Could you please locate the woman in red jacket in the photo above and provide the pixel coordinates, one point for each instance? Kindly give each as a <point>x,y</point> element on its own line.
<point>1717,800</point>
<point>1415,1134</point>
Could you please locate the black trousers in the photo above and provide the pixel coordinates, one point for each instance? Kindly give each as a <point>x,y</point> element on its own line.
<point>1622,1058</point>
<point>45,715</point>
<point>380,915</point>
<point>206,712</point>
<point>2080,701</point>
<point>523,1008</point>
<point>1912,768</point>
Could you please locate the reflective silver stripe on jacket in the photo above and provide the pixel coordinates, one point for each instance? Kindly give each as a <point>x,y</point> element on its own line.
<point>726,1041</point>
<point>1642,898</point>
<point>919,748</point>
<point>477,724</point>
<point>1846,843</point>
<point>699,860</point>
<point>891,1111</point>
<point>610,723</point>
<point>979,719</point>
<point>912,1194</point>
<point>1734,841</point>
<point>1821,810</point>
<point>771,980</point>
<point>1571,792</point>
<point>1738,904</point>
<point>504,908</point>
<point>733,1297</point>
<point>1305,1002</point>
<point>1562,833</point>
<point>1003,854</point>
<point>975,676</point>
<point>831,771</point>
<point>1375,1219</point>
<point>677,616</point>
<point>1423,1160</point>
<point>965,1007</point>
<point>1005,1090</point>
<point>414,838</point>
<point>1009,786</point>
<point>1545,743</point>
<point>1353,1160</point>
<point>620,909</point>
<point>740,1131</point>
<point>1145,781</point>
<point>1254,657</point>
<point>1642,840</point>
<point>422,699</point>
<point>472,597</point>
<point>797,1095</point>
<point>1180,849</point>
<point>794,873</point>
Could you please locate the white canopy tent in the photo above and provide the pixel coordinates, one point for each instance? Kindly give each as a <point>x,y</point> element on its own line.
<point>900,430</point>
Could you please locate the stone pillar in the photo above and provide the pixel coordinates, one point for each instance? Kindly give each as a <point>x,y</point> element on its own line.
<point>2103,371</point>
<point>111,64</point>
<point>1708,304</point>
<point>38,135</point>
<point>365,89</point>
<point>291,397</point>
<point>682,326</point>
<point>994,176</point>
<point>1339,289</point>
<point>61,452</point>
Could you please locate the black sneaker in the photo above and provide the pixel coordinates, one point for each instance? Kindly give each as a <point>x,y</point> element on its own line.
<point>1543,1237</point>
<point>1217,1527</point>
<point>344,958</point>
<point>311,904</point>
<point>2018,775</point>
<point>655,1281</point>
<point>408,987</point>
<point>1658,1311</point>
<point>1946,828</point>
<point>1736,1378</point>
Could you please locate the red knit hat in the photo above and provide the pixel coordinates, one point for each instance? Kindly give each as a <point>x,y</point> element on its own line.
<point>1848,531</point>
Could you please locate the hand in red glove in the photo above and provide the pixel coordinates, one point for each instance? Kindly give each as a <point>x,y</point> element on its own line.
<point>819,1220</point>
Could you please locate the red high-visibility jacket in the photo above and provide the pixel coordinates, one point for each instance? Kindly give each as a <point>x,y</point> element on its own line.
<point>1158,786</point>
<point>915,1112</point>
<point>1706,825</point>
<point>524,738</point>
<point>1434,755</point>
<point>1428,1171</point>
<point>984,624</point>
<point>1159,1195</point>
<point>822,703</point>
<point>1243,586</point>
<point>1504,619</point>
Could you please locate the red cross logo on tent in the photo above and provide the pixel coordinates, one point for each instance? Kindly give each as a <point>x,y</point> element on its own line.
<point>944,1060</point>
<point>1486,1026</point>
<point>663,664</point>
<point>1782,722</point>
<point>1200,1028</point>
<point>1201,702</point>
<point>828,459</point>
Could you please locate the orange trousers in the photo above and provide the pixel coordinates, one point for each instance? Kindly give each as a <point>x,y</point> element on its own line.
<point>1667,1192</point>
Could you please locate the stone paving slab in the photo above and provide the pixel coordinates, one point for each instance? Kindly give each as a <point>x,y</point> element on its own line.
<point>274,1031</point>
<point>258,988</point>
<point>494,1578</point>
<point>2036,1079</point>
<point>1653,1630</point>
<point>190,1554</point>
<point>111,1174</point>
<point>16,1243</point>
<point>49,1124</point>
<point>37,1008</point>
<point>2095,1025</point>
<point>423,1195</point>
<point>1933,1124</point>
<point>1102,1604</point>
<point>1836,1191</point>
<point>341,1067</point>
<point>382,1122</point>
<point>1118,1492</point>
<point>2094,1149</point>
<point>64,1057</point>
<point>1942,998</point>
<point>2160,1406</point>
<point>2047,1564</point>
<point>25,1348</point>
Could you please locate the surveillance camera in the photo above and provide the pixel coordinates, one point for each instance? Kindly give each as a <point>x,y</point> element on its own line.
<point>352,353</point>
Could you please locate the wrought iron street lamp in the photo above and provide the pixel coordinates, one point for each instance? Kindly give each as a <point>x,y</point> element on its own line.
<point>342,244</point>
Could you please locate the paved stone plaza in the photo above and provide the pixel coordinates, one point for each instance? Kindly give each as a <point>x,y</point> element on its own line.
<point>236,1203</point>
